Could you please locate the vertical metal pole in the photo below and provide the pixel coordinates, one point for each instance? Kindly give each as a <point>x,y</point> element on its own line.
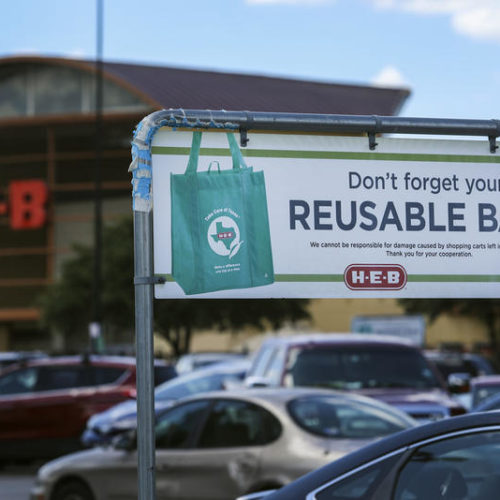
<point>95,327</point>
<point>143,248</point>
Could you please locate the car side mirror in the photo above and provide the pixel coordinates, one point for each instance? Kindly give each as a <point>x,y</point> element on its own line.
<point>126,440</point>
<point>459,383</point>
<point>255,381</point>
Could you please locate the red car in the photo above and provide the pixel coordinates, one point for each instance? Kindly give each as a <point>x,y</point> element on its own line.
<point>45,403</point>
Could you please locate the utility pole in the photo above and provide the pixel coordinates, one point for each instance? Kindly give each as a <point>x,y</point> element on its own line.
<point>95,328</point>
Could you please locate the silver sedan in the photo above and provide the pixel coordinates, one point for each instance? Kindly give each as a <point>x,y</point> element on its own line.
<point>221,445</point>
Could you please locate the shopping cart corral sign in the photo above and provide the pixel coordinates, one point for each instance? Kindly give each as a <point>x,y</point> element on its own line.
<point>324,216</point>
<point>304,213</point>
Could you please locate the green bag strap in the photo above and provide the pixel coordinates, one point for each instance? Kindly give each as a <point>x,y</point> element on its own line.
<point>238,160</point>
<point>194,154</point>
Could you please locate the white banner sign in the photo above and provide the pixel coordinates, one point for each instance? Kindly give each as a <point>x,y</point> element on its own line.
<point>414,218</point>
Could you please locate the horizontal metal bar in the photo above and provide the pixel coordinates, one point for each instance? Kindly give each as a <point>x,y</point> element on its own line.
<point>250,120</point>
<point>149,280</point>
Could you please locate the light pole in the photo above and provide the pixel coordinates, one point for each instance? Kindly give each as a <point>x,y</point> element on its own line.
<point>95,330</point>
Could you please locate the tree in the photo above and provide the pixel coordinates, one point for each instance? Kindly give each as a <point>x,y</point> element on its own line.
<point>485,310</point>
<point>65,305</point>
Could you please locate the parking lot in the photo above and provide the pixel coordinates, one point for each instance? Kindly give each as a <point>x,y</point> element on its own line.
<point>16,481</point>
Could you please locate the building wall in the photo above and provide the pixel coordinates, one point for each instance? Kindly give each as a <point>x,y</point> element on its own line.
<point>335,315</point>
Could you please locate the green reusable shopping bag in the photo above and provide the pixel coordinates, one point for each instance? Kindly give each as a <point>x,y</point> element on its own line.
<point>220,225</point>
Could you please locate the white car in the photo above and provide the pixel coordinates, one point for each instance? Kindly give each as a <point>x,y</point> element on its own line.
<point>224,444</point>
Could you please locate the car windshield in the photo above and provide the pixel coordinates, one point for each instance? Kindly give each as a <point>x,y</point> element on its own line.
<point>450,365</point>
<point>482,393</point>
<point>354,368</point>
<point>335,417</point>
<point>177,388</point>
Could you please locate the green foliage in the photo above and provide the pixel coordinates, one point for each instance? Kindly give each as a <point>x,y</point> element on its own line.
<point>486,311</point>
<point>67,304</point>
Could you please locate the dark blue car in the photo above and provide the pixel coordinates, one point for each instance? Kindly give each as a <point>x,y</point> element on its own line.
<point>452,459</point>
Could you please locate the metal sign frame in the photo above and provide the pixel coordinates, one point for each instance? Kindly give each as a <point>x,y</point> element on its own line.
<point>242,121</point>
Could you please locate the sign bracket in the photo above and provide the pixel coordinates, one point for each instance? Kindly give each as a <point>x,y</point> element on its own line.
<point>493,144</point>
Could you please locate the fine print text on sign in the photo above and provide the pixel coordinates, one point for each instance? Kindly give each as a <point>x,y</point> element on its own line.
<point>415,218</point>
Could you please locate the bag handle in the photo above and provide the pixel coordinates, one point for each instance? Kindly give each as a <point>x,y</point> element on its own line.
<point>238,160</point>
<point>194,154</point>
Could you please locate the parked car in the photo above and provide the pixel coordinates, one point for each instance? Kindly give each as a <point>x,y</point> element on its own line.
<point>387,368</point>
<point>102,427</point>
<point>488,404</point>
<point>453,459</point>
<point>450,362</point>
<point>458,369</point>
<point>8,358</point>
<point>223,444</point>
<point>196,360</point>
<point>45,403</point>
<point>483,388</point>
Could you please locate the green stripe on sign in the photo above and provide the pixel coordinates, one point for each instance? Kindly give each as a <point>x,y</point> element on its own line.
<point>313,278</point>
<point>330,155</point>
<point>414,278</point>
<point>455,278</point>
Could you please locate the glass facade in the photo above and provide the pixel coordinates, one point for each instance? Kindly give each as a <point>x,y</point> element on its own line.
<point>41,90</point>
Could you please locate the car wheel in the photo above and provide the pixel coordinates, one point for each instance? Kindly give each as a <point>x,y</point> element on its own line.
<point>72,490</point>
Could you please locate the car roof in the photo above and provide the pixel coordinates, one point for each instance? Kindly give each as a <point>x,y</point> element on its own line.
<point>228,367</point>
<point>95,359</point>
<point>211,355</point>
<point>340,338</point>
<point>486,380</point>
<point>392,443</point>
<point>280,396</point>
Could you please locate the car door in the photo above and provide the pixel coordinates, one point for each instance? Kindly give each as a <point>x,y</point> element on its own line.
<point>224,460</point>
<point>228,451</point>
<point>38,403</point>
<point>463,466</point>
<point>175,432</point>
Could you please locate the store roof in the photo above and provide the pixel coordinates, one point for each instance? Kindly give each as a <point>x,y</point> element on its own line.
<point>168,87</point>
<point>196,89</point>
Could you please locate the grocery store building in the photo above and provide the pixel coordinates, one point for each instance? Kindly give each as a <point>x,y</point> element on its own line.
<point>48,156</point>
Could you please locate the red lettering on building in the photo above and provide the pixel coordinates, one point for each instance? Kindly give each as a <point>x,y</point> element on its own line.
<point>27,204</point>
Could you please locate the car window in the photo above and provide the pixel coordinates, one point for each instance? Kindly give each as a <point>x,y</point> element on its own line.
<point>51,378</point>
<point>102,375</point>
<point>274,369</point>
<point>357,368</point>
<point>163,373</point>
<point>238,423</point>
<point>459,468</point>
<point>19,381</point>
<point>261,361</point>
<point>176,427</point>
<point>492,403</point>
<point>481,393</point>
<point>359,485</point>
<point>334,418</point>
<point>447,366</point>
<point>193,385</point>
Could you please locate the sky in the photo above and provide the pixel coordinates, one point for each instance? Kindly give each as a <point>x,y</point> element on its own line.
<point>445,51</point>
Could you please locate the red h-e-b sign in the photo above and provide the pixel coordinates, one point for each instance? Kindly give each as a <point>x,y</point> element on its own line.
<point>375,277</point>
<point>26,204</point>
